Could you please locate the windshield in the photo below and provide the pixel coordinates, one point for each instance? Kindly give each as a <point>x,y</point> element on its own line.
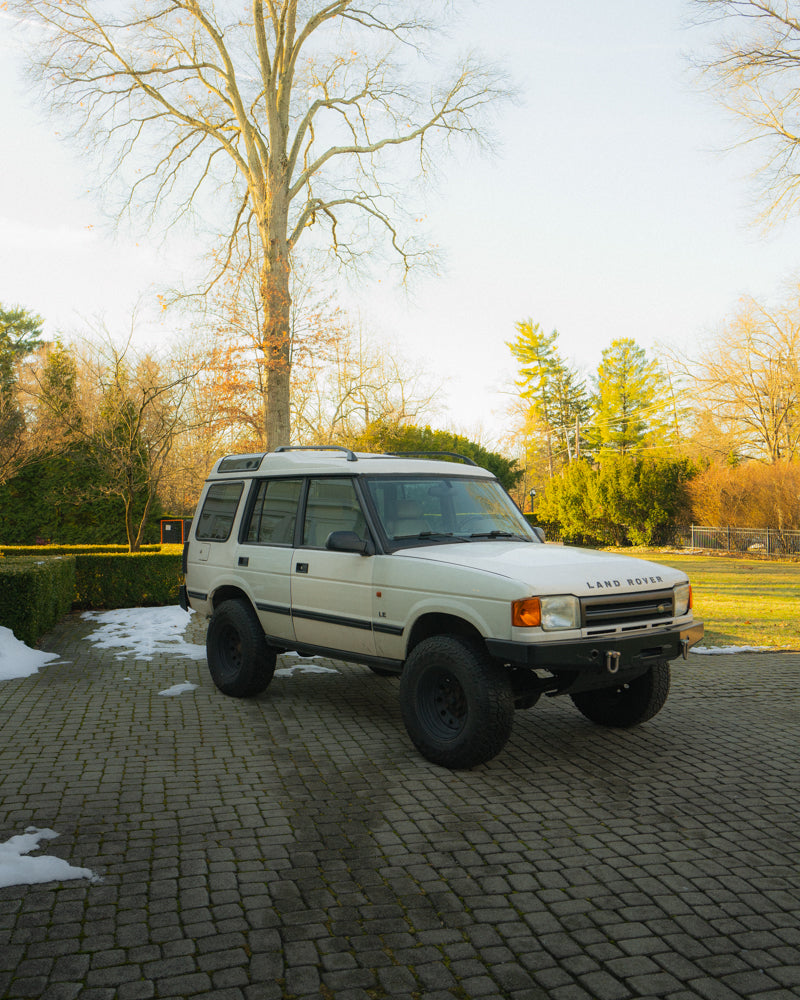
<point>430,509</point>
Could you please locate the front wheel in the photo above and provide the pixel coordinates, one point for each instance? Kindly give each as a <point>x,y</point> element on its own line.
<point>240,662</point>
<point>457,703</point>
<point>629,702</point>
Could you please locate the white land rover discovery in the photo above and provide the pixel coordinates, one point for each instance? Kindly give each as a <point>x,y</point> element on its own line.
<point>425,569</point>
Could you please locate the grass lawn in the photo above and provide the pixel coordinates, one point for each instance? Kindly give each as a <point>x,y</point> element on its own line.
<point>743,602</point>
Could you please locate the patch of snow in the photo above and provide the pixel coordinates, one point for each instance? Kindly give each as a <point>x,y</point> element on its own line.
<point>145,632</point>
<point>713,650</point>
<point>177,689</point>
<point>304,668</point>
<point>18,868</point>
<point>17,659</point>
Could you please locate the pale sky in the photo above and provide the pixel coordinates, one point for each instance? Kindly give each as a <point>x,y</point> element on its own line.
<point>609,209</point>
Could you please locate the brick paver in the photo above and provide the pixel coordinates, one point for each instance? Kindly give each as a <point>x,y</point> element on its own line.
<point>296,846</point>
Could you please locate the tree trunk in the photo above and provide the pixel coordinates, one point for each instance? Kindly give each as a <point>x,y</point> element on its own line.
<point>130,529</point>
<point>276,336</point>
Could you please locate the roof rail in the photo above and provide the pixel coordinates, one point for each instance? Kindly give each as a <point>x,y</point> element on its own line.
<point>438,454</point>
<point>351,455</point>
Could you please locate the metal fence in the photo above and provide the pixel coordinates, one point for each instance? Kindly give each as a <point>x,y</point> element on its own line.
<point>769,541</point>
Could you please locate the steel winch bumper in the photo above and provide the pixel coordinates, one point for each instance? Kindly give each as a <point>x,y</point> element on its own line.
<point>631,652</point>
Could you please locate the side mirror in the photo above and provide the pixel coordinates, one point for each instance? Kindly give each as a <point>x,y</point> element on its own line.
<point>349,541</point>
<point>539,532</point>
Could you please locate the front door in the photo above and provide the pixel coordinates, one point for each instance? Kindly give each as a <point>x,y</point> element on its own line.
<point>332,592</point>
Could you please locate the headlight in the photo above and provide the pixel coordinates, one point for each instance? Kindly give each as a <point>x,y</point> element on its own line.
<point>551,613</point>
<point>681,599</point>
<point>560,612</point>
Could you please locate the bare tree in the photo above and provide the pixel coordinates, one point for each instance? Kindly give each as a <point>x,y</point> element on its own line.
<point>286,116</point>
<point>749,379</point>
<point>357,382</point>
<point>235,381</point>
<point>754,68</point>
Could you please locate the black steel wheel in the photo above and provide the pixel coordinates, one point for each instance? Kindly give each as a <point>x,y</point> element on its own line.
<point>628,703</point>
<point>457,703</point>
<point>240,661</point>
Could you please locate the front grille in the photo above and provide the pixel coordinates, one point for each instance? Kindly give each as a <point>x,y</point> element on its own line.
<point>625,610</point>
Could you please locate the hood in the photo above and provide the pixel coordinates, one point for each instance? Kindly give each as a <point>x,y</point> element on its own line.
<point>553,569</point>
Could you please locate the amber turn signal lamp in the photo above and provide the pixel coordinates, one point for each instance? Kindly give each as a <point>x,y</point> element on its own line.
<point>526,613</point>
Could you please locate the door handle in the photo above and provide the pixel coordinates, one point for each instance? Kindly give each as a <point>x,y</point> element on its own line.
<point>301,568</point>
<point>244,561</point>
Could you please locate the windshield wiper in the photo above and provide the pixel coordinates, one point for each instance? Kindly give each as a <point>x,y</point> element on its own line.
<point>497,534</point>
<point>432,536</point>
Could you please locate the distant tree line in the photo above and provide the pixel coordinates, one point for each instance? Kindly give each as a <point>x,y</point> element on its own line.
<point>99,439</point>
<point>646,444</point>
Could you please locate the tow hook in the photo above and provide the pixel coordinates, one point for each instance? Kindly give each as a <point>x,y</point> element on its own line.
<point>612,661</point>
<point>685,646</point>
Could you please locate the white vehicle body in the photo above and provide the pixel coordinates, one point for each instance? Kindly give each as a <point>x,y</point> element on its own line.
<point>363,557</point>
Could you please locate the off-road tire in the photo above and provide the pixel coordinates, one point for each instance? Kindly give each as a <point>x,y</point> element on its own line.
<point>240,661</point>
<point>629,703</point>
<point>457,703</point>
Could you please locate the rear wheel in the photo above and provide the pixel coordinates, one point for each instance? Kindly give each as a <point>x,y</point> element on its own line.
<point>240,661</point>
<point>457,703</point>
<point>629,702</point>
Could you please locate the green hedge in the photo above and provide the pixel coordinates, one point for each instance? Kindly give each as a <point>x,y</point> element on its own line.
<point>35,594</point>
<point>73,550</point>
<point>131,580</point>
<point>37,591</point>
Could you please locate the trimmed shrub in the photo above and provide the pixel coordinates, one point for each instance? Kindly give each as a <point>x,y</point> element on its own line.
<point>131,580</point>
<point>72,550</point>
<point>36,593</point>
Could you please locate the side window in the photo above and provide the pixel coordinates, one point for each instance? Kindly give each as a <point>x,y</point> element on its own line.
<point>332,506</point>
<point>274,512</point>
<point>219,509</point>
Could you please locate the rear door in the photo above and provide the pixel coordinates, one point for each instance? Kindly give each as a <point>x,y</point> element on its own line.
<point>264,556</point>
<point>332,592</point>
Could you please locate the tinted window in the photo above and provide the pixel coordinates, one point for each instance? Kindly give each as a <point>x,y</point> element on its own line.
<point>332,506</point>
<point>219,509</point>
<point>274,512</point>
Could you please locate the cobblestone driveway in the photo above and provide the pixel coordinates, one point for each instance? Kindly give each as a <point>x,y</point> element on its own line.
<point>296,846</point>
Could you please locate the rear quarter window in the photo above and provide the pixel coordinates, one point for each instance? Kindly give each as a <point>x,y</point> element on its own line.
<point>218,511</point>
<point>274,512</point>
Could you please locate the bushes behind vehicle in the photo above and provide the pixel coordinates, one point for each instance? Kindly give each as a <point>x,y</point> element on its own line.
<point>71,550</point>
<point>38,591</point>
<point>131,580</point>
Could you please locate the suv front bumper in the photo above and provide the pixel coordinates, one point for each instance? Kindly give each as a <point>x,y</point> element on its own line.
<point>629,654</point>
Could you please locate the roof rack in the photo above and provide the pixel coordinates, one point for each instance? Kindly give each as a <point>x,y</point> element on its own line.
<point>437,454</point>
<point>351,455</point>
